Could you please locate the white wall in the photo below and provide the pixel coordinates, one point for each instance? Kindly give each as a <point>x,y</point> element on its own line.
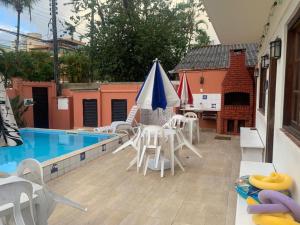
<point>261,126</point>
<point>287,159</point>
<point>212,101</point>
<point>261,118</point>
<point>286,154</point>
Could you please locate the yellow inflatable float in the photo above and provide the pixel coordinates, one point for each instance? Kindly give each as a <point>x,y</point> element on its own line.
<point>275,182</point>
<point>274,219</point>
<point>271,219</point>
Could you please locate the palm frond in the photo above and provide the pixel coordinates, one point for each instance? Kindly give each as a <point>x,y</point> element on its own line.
<point>29,5</point>
<point>19,5</point>
<point>7,3</point>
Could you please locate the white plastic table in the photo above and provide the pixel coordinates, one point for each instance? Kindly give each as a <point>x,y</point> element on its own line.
<point>249,168</point>
<point>251,145</point>
<point>170,133</point>
<point>191,122</point>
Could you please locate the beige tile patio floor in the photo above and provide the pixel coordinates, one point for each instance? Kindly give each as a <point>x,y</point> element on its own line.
<point>202,195</point>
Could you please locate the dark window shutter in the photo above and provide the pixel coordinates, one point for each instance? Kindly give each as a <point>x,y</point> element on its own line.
<point>90,113</point>
<point>118,109</point>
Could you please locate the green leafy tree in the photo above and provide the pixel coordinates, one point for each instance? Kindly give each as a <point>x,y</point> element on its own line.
<point>129,34</point>
<point>194,9</point>
<point>202,39</point>
<point>75,66</point>
<point>70,29</point>
<point>7,65</point>
<point>35,66</point>
<point>88,9</point>
<point>32,66</point>
<point>19,6</point>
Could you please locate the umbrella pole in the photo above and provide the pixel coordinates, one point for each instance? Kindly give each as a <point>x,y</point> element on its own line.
<point>158,119</point>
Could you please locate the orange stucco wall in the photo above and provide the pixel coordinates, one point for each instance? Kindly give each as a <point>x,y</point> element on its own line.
<point>62,119</point>
<point>58,119</point>
<point>212,85</point>
<point>78,97</point>
<point>73,117</point>
<point>108,92</point>
<point>104,95</point>
<point>212,80</point>
<point>24,90</point>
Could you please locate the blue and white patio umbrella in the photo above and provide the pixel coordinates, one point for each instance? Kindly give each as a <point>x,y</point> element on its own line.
<point>157,91</point>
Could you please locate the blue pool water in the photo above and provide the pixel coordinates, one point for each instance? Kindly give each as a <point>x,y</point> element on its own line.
<point>43,144</point>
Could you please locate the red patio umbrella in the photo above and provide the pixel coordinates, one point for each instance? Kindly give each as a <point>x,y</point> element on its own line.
<point>184,91</point>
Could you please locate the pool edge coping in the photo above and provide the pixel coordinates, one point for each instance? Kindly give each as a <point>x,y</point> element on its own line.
<point>79,151</point>
<point>56,167</point>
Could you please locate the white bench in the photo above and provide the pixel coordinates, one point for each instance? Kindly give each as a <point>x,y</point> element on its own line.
<point>249,168</point>
<point>251,145</point>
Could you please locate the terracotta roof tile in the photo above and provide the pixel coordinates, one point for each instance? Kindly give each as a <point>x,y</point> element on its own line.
<point>216,57</point>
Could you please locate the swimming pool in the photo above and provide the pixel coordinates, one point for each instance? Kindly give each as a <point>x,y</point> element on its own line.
<point>44,144</point>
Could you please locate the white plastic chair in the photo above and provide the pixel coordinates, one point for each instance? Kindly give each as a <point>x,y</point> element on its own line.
<point>194,116</point>
<point>47,198</point>
<point>191,115</point>
<point>123,125</point>
<point>153,141</point>
<point>178,123</point>
<point>11,193</point>
<point>134,142</point>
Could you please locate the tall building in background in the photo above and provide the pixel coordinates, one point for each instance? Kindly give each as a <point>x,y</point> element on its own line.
<point>34,42</point>
<point>31,43</point>
<point>65,45</point>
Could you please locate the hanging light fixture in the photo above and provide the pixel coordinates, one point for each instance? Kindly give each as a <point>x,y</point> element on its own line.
<point>275,48</point>
<point>265,61</point>
<point>256,72</point>
<point>202,80</point>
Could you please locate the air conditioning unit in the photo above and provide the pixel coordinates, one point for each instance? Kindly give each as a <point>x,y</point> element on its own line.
<point>28,101</point>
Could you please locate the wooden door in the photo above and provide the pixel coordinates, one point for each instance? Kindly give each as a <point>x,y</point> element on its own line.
<point>40,107</point>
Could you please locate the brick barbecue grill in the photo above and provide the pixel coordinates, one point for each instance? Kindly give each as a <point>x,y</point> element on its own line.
<point>238,97</point>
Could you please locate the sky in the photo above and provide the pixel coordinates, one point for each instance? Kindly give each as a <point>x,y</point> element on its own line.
<point>41,17</point>
<point>38,23</point>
